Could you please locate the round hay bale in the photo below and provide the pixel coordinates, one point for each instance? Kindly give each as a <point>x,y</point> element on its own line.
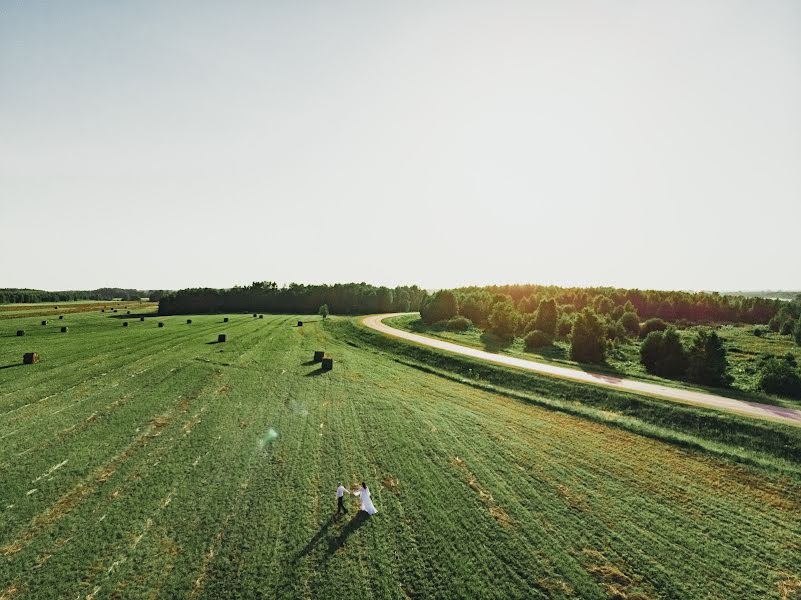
<point>102,310</point>
<point>161,324</point>
<point>44,322</point>
<point>128,313</point>
<point>64,329</point>
<point>20,332</point>
<point>225,320</point>
<point>189,321</point>
<point>300,323</point>
<point>255,315</point>
<point>318,355</point>
<point>125,323</point>
<point>221,338</point>
<point>142,319</point>
<point>30,358</point>
<point>60,317</point>
<point>55,308</point>
<point>327,363</point>
<point>261,316</point>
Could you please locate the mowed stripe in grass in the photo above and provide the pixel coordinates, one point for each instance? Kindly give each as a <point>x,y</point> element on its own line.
<point>175,492</point>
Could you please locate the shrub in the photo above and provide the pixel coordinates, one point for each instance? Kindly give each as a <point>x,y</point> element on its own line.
<point>662,353</point>
<point>797,332</point>
<point>458,323</point>
<point>537,339</point>
<point>777,376</point>
<point>652,325</point>
<point>759,332</point>
<point>707,360</point>
<point>630,322</point>
<point>787,327</point>
<point>323,311</point>
<point>588,340</point>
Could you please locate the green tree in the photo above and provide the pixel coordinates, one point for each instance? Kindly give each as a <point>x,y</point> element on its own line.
<point>441,306</point>
<point>503,320</point>
<point>797,332</point>
<point>546,317</point>
<point>588,340</point>
<point>630,322</point>
<point>663,354</point>
<point>323,311</point>
<point>707,363</point>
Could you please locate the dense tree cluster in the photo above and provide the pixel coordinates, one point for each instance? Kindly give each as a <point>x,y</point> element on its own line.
<point>266,296</point>
<point>695,307</point>
<point>27,296</point>
<point>780,375</point>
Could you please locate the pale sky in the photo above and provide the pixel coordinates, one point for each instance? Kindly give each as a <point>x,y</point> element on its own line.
<point>175,144</point>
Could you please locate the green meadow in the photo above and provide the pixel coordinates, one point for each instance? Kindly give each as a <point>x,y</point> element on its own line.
<point>147,462</point>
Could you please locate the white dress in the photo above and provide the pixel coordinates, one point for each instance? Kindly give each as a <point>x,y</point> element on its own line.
<point>367,503</point>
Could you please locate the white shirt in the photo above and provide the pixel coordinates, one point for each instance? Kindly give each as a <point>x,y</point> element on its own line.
<point>341,491</point>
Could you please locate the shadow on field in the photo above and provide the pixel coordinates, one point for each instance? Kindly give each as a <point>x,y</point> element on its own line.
<point>9,366</point>
<point>493,343</point>
<point>309,363</point>
<point>358,520</point>
<point>315,373</point>
<point>316,539</point>
<point>213,342</point>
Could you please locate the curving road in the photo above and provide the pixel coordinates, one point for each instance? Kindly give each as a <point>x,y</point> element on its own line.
<point>752,409</point>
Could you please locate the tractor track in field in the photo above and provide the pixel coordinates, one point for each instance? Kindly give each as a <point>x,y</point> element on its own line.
<point>771,412</point>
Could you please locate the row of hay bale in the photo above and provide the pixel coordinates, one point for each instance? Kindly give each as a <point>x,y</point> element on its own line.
<point>21,332</point>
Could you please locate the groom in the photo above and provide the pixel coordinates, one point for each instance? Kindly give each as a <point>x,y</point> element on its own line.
<point>341,491</point>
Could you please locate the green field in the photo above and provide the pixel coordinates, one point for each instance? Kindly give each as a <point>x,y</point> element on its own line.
<point>137,463</point>
<point>743,351</point>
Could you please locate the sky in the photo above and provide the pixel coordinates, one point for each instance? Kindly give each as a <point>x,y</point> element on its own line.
<point>162,145</point>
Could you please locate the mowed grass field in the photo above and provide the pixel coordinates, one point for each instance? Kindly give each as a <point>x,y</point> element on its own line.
<point>137,463</point>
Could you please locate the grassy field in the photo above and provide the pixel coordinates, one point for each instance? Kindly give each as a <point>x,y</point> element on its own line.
<point>53,310</point>
<point>743,351</point>
<point>138,462</point>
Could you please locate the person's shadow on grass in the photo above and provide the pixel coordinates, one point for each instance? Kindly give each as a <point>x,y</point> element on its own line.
<point>307,549</point>
<point>334,544</point>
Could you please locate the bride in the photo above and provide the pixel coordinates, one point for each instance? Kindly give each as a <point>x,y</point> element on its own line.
<point>366,501</point>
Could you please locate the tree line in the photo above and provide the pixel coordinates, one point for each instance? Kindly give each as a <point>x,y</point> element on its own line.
<point>29,296</point>
<point>593,320</point>
<point>266,296</point>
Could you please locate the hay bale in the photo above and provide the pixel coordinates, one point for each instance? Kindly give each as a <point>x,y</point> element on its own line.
<point>255,315</point>
<point>64,329</point>
<point>55,308</point>
<point>161,324</point>
<point>102,310</point>
<point>327,363</point>
<point>44,322</point>
<point>318,355</point>
<point>20,332</point>
<point>30,358</point>
<point>142,319</point>
<point>300,323</point>
<point>261,316</point>
<point>128,313</point>
<point>221,338</point>
<point>125,323</point>
<point>189,321</point>
<point>60,317</point>
<point>225,320</point>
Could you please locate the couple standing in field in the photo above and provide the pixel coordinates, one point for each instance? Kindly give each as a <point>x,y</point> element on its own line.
<point>366,503</point>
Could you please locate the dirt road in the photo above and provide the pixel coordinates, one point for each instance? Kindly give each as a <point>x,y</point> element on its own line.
<point>752,409</point>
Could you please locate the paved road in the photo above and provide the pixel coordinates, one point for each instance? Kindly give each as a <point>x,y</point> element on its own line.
<point>753,409</point>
